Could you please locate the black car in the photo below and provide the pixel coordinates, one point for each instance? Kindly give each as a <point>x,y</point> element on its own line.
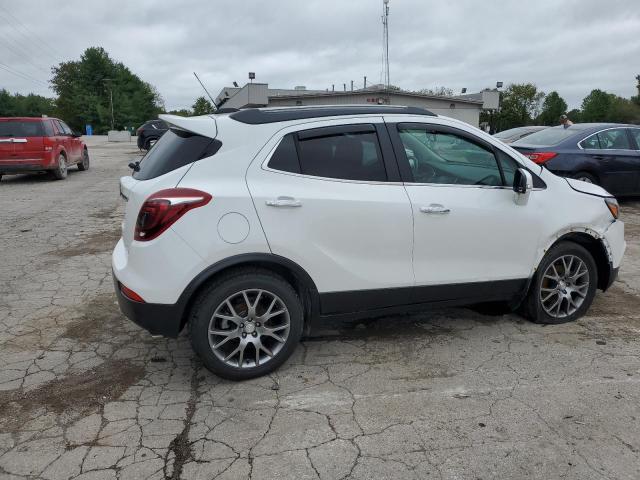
<point>150,132</point>
<point>606,154</point>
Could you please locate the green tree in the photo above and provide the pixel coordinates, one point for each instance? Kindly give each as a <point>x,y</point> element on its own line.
<point>438,91</point>
<point>31,105</point>
<point>596,106</point>
<point>183,112</point>
<point>552,107</point>
<point>86,87</point>
<point>636,99</point>
<point>575,115</point>
<point>202,106</point>
<point>519,104</point>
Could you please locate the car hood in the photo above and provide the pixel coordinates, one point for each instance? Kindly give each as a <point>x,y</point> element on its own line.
<point>588,188</point>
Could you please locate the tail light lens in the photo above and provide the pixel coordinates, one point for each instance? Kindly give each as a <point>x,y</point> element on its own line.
<point>47,143</point>
<point>164,208</point>
<point>540,157</point>
<point>138,131</point>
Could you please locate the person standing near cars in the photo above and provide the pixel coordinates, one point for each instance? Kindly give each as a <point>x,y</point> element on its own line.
<point>565,122</point>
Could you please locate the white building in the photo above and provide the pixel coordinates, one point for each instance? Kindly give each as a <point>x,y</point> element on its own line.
<point>466,108</point>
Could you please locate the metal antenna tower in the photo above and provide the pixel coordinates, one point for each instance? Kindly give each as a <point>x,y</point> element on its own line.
<point>385,46</point>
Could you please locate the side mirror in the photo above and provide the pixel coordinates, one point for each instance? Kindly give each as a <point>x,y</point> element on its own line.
<point>76,134</point>
<point>522,186</point>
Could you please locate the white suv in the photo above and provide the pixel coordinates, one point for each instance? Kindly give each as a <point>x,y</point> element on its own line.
<point>249,226</point>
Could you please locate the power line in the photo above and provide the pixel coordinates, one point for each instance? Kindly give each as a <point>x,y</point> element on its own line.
<point>30,34</point>
<point>20,52</point>
<point>22,75</point>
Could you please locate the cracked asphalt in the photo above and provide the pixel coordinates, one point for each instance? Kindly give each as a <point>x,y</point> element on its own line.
<point>446,394</point>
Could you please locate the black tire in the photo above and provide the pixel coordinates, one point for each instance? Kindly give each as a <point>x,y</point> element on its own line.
<point>149,143</point>
<point>84,163</point>
<point>209,300</point>
<point>586,177</point>
<point>60,173</point>
<point>532,307</point>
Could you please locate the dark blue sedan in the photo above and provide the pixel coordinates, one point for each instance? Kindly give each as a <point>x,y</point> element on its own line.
<point>603,153</point>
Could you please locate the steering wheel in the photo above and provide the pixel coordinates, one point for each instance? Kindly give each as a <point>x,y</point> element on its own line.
<point>484,179</point>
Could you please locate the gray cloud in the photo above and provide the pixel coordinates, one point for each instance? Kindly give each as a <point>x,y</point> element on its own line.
<point>571,46</point>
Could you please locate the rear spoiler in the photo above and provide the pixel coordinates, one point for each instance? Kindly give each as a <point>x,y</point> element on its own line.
<point>204,125</point>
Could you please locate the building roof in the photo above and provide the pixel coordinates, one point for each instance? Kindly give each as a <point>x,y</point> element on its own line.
<point>322,93</point>
<point>255,116</point>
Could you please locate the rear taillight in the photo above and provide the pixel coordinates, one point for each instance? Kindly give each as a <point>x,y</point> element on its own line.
<point>47,143</point>
<point>540,157</point>
<point>138,131</point>
<point>164,208</point>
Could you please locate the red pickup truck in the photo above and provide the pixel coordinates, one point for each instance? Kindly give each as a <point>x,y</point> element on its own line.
<point>40,145</point>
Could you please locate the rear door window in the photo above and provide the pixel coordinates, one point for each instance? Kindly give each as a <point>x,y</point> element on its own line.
<point>614,139</point>
<point>346,152</point>
<point>173,150</point>
<point>19,128</point>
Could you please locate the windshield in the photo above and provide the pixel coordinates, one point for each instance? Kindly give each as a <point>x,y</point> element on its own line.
<point>13,128</point>
<point>547,137</point>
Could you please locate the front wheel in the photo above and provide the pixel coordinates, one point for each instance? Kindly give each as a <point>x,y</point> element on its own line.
<point>84,163</point>
<point>564,285</point>
<point>246,324</point>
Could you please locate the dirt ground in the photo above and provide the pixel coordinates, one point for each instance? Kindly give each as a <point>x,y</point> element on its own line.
<point>446,394</point>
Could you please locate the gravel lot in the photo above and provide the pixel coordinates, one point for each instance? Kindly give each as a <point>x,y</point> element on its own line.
<point>449,394</point>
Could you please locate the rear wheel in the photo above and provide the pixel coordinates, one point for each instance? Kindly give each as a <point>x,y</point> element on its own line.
<point>60,172</point>
<point>246,324</point>
<point>149,143</point>
<point>564,285</point>
<point>84,163</point>
<point>586,177</point>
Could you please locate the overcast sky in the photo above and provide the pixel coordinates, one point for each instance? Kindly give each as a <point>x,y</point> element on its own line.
<point>571,46</point>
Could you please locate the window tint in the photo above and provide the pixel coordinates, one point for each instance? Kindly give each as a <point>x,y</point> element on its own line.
<point>350,156</point>
<point>21,129</point>
<point>175,149</point>
<point>48,128</point>
<point>448,159</point>
<point>285,157</point>
<point>614,139</point>
<point>635,133</point>
<point>591,142</point>
<point>58,127</point>
<point>65,128</point>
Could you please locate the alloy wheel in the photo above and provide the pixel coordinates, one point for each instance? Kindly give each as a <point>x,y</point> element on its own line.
<point>564,287</point>
<point>249,328</point>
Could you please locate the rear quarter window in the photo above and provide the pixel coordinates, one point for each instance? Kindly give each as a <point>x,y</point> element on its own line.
<point>175,149</point>
<point>17,128</point>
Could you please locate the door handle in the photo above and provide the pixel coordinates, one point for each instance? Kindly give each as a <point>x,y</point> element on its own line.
<point>435,209</point>
<point>284,202</point>
<point>599,157</point>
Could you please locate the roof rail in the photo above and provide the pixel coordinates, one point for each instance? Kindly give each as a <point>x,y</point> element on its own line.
<point>257,116</point>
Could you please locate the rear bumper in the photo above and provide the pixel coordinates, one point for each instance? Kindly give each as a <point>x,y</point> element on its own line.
<point>157,318</point>
<point>23,167</point>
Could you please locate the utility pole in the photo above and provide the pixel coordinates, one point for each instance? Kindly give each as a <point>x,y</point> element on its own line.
<point>108,81</point>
